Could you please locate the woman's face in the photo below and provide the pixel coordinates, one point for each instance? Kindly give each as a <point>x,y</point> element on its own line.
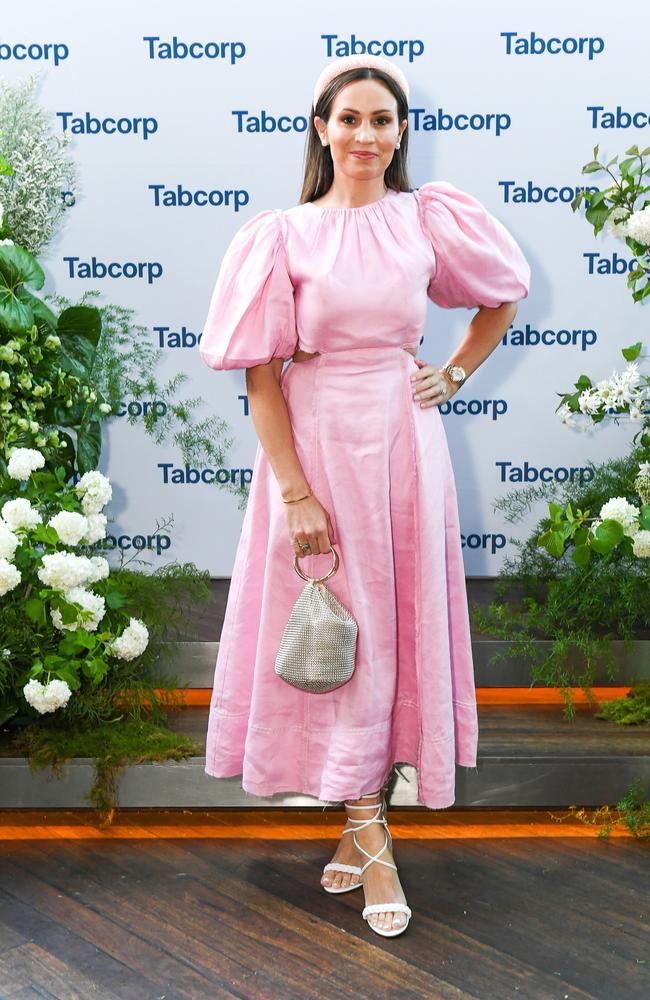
<point>363,118</point>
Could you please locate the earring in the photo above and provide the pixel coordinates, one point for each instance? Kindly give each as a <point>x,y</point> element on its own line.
<point>397,146</point>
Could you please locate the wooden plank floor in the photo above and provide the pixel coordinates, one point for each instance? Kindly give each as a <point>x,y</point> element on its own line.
<point>153,908</point>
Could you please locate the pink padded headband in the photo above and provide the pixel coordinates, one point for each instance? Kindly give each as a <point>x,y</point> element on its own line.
<point>333,69</point>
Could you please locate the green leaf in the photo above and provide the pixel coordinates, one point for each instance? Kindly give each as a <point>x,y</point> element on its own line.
<point>79,328</point>
<point>114,599</point>
<point>630,353</point>
<point>40,310</point>
<point>17,267</point>
<point>607,536</point>
<point>35,609</point>
<point>89,446</point>
<point>581,555</point>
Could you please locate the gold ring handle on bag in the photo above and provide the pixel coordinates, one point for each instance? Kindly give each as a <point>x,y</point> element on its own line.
<point>319,579</point>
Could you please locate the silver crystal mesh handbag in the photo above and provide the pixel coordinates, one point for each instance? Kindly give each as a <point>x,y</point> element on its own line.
<point>318,645</point>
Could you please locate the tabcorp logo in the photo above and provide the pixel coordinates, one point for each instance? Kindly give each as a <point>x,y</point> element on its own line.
<point>97,269</point>
<point>181,197</point>
<point>157,48</point>
<point>443,121</point>
<point>528,473</point>
<point>530,337</point>
<point>177,338</point>
<point>490,408</point>
<point>141,408</point>
<point>54,52</point>
<point>484,541</point>
<point>157,543</point>
<point>600,118</point>
<point>608,264</point>
<point>264,121</point>
<point>89,125</point>
<point>529,193</point>
<point>188,476</point>
<point>409,48</point>
<point>534,45</point>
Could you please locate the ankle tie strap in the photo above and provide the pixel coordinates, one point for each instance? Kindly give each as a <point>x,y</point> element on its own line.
<point>363,824</point>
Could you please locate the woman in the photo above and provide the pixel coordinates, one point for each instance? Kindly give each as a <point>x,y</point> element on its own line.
<point>352,452</point>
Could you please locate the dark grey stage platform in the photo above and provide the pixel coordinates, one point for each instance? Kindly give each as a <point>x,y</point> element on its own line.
<point>528,756</point>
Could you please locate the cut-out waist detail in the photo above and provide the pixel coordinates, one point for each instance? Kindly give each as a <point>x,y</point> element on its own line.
<point>301,355</point>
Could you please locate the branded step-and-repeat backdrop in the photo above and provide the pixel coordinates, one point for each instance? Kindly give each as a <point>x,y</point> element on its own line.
<point>188,120</point>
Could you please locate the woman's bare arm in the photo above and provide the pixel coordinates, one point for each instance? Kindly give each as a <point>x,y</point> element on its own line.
<point>271,419</point>
<point>307,520</point>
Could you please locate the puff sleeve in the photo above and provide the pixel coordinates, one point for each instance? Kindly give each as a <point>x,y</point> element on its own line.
<point>251,316</point>
<point>478,262</point>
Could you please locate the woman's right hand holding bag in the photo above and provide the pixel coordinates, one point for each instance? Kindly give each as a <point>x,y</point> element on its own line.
<point>308,521</point>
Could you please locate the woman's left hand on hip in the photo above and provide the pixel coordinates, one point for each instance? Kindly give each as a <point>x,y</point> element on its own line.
<point>428,385</point>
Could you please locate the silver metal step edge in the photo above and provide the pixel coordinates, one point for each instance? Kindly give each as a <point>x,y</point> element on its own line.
<point>498,781</point>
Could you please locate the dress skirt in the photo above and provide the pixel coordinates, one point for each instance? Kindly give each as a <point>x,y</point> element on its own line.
<point>380,465</point>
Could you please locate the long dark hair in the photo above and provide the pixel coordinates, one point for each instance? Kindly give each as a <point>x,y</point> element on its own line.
<point>319,168</point>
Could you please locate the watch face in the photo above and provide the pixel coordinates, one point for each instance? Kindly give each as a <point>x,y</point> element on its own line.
<point>456,372</point>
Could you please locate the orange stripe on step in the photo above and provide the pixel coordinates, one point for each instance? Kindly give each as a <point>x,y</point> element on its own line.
<point>292,824</point>
<point>200,697</point>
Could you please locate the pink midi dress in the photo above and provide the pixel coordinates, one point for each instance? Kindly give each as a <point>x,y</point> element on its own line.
<point>353,284</point>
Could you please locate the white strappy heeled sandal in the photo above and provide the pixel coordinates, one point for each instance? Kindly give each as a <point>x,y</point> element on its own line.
<point>379,907</point>
<point>337,866</point>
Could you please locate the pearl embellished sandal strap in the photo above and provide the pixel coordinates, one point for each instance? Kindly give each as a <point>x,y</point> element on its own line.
<point>387,907</point>
<point>337,866</point>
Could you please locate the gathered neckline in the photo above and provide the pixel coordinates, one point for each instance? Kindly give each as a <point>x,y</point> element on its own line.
<point>351,208</point>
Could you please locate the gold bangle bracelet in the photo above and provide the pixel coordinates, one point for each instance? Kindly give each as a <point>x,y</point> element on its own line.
<point>297,498</point>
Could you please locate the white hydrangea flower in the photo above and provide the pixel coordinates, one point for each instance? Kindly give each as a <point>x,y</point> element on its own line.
<point>6,242</point>
<point>105,407</point>
<point>101,569</point>
<point>8,541</point>
<point>619,509</point>
<point>89,602</point>
<point>96,529</point>
<point>19,514</point>
<point>63,570</point>
<point>95,491</point>
<point>9,576</point>
<point>132,642</point>
<point>23,461</point>
<point>69,525</point>
<point>641,544</point>
<point>47,698</point>
<point>638,225</point>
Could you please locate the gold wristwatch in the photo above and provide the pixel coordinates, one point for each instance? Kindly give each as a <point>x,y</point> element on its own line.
<point>456,373</point>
